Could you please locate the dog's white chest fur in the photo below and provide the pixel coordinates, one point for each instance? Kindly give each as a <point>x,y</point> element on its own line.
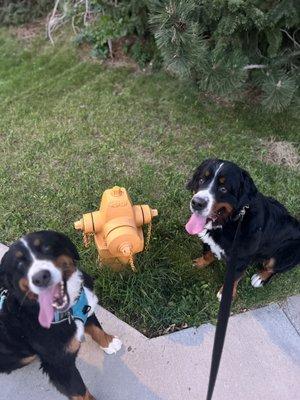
<point>215,248</point>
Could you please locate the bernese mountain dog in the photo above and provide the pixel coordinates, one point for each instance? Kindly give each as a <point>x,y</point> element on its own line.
<point>269,235</point>
<point>46,306</point>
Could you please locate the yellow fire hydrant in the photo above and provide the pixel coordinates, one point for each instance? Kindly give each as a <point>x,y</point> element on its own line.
<point>117,227</point>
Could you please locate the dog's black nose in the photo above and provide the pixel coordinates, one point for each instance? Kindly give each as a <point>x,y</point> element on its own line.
<point>41,278</point>
<point>199,203</point>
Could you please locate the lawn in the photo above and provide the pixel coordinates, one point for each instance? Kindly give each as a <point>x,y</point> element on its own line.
<point>71,128</point>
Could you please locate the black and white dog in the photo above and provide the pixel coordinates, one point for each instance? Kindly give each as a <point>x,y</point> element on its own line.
<point>269,234</point>
<point>46,305</point>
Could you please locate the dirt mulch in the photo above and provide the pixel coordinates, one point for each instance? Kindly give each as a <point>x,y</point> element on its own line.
<point>281,153</point>
<point>119,57</point>
<point>29,31</point>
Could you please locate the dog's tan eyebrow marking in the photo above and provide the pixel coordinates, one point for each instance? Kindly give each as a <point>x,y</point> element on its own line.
<point>222,179</point>
<point>19,254</point>
<point>207,173</point>
<point>37,242</point>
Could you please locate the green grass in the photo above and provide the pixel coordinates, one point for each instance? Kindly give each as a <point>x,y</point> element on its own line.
<point>70,129</point>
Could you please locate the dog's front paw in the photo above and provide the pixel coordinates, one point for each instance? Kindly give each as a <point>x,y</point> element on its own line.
<point>114,346</point>
<point>256,281</point>
<point>200,263</point>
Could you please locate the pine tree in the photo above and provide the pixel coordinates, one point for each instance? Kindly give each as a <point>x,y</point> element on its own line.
<point>224,45</point>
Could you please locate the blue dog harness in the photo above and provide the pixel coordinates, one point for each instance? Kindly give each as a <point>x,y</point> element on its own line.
<point>79,311</point>
<point>3,295</point>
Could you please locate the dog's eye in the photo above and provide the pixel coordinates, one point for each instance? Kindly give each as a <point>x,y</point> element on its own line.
<point>46,248</point>
<point>222,189</point>
<point>21,265</point>
<point>201,181</point>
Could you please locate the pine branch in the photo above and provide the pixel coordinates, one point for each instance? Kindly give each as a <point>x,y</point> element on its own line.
<point>278,91</point>
<point>254,66</point>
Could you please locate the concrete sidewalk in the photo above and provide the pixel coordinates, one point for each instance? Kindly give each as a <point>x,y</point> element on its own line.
<point>261,361</point>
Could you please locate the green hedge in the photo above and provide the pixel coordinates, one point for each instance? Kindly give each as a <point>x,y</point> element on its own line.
<point>16,12</point>
<point>226,45</point>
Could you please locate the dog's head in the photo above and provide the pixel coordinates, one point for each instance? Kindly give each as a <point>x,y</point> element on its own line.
<point>41,267</point>
<point>220,189</point>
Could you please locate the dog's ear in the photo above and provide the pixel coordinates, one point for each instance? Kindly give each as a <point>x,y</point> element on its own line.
<point>247,190</point>
<point>3,275</point>
<point>193,183</point>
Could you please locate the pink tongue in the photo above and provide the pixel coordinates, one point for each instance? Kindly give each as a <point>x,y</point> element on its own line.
<point>195,224</point>
<point>46,298</point>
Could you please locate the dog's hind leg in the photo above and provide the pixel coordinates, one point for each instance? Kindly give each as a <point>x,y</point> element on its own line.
<point>263,277</point>
<point>108,343</point>
<point>207,258</point>
<point>283,260</point>
<point>10,361</point>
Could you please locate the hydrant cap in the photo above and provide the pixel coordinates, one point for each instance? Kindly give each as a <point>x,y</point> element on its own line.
<point>117,191</point>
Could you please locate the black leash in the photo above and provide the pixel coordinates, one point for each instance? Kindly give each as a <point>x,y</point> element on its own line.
<point>224,310</point>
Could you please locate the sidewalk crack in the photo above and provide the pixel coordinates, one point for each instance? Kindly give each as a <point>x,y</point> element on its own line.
<point>281,305</point>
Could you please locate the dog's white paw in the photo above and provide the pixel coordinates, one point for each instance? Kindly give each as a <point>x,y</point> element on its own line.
<point>114,346</point>
<point>219,295</point>
<point>256,281</point>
